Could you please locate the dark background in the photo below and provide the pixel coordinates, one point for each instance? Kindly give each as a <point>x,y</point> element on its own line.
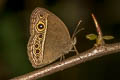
<point>14,35</point>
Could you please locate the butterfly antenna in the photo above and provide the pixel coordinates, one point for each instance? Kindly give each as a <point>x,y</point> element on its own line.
<point>76,31</point>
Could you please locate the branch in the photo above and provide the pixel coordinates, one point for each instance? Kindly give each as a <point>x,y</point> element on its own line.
<point>93,53</point>
<point>100,49</point>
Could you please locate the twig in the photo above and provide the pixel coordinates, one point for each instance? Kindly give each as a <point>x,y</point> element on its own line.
<point>100,40</point>
<point>101,49</point>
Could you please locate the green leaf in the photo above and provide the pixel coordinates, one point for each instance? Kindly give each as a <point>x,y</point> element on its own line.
<point>91,36</point>
<point>108,37</point>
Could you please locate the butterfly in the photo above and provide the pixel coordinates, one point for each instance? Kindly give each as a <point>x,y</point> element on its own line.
<point>49,38</point>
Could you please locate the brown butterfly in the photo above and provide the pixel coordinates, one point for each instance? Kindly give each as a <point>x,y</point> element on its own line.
<point>49,38</point>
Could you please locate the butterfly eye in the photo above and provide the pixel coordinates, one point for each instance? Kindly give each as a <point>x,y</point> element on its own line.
<point>37,51</point>
<point>41,15</point>
<point>40,26</point>
<point>36,46</point>
<point>40,36</point>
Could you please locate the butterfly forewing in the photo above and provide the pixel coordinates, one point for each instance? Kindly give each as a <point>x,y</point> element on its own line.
<point>38,28</point>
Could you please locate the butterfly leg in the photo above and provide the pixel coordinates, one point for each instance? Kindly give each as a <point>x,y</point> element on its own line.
<point>74,50</point>
<point>62,58</point>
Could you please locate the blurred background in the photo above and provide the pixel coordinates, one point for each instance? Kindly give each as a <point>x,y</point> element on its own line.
<point>14,35</point>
